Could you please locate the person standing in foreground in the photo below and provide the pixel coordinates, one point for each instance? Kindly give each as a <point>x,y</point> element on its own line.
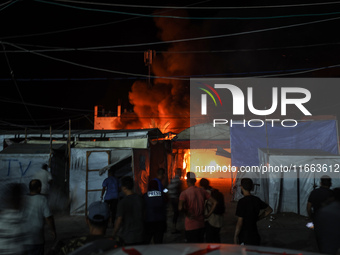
<point>214,223</point>
<point>248,212</point>
<point>36,213</point>
<point>130,214</point>
<point>319,196</point>
<point>174,192</point>
<point>110,185</point>
<point>155,214</point>
<point>327,225</point>
<point>97,219</point>
<point>192,201</point>
<point>12,231</point>
<point>46,179</point>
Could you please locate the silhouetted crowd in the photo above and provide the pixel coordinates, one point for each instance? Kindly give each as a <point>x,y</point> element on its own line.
<point>142,219</point>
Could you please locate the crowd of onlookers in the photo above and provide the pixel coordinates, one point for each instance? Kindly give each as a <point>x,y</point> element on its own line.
<point>142,219</point>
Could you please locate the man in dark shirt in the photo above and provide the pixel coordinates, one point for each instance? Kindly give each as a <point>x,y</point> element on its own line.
<point>318,196</point>
<point>327,225</point>
<point>155,213</point>
<point>97,220</point>
<point>248,211</point>
<point>130,214</point>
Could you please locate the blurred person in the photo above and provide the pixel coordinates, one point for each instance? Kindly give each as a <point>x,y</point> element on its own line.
<point>327,225</point>
<point>213,224</point>
<point>12,230</point>
<point>160,178</point>
<point>155,213</point>
<point>46,179</point>
<point>249,210</point>
<point>129,217</point>
<point>174,188</point>
<point>110,189</point>
<point>97,219</point>
<point>37,213</point>
<point>319,196</point>
<point>192,201</point>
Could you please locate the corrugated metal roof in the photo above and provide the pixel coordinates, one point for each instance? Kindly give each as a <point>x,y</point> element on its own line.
<point>151,133</point>
<point>22,148</point>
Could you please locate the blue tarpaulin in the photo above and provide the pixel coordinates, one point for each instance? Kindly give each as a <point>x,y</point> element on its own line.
<point>245,140</point>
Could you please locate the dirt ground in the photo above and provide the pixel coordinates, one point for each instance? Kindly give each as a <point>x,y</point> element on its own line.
<point>283,230</point>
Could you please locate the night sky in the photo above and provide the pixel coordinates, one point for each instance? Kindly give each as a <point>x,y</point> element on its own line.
<point>61,69</point>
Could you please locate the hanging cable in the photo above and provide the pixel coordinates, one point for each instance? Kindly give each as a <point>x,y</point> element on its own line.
<point>15,83</point>
<point>192,18</point>
<point>199,7</point>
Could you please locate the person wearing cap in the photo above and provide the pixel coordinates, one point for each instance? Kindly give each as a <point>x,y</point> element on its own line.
<point>192,201</point>
<point>97,219</point>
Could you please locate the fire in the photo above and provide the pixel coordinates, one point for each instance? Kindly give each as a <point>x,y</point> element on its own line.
<point>203,158</point>
<point>186,161</point>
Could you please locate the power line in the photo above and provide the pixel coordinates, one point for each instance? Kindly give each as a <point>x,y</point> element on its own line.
<point>193,18</point>
<point>83,27</point>
<point>199,7</point>
<point>86,66</point>
<point>212,36</point>
<point>187,77</point>
<point>15,83</point>
<point>45,106</point>
<point>9,3</point>
<point>58,49</point>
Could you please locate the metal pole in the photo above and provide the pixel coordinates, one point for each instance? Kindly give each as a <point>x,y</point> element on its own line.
<point>337,135</point>
<point>49,160</point>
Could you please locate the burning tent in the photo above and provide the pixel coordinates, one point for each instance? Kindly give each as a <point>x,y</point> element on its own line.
<point>202,146</point>
<point>138,153</point>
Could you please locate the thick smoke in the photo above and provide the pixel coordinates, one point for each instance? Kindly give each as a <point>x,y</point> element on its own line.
<point>165,104</point>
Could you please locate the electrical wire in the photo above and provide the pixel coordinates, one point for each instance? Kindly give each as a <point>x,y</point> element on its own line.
<point>9,3</point>
<point>83,27</point>
<point>45,106</point>
<point>199,7</point>
<point>86,66</point>
<point>58,49</point>
<point>212,36</point>
<point>15,83</point>
<point>187,77</point>
<point>192,18</point>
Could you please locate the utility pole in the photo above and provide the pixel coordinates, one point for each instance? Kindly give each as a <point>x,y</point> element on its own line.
<point>148,58</point>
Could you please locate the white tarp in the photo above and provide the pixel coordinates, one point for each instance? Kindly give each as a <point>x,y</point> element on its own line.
<point>20,167</point>
<point>94,159</point>
<point>295,169</point>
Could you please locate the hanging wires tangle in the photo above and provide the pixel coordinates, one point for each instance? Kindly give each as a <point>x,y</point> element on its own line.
<point>175,77</point>
<point>85,27</point>
<point>15,83</point>
<point>211,36</point>
<point>86,66</point>
<point>192,18</point>
<point>199,7</point>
